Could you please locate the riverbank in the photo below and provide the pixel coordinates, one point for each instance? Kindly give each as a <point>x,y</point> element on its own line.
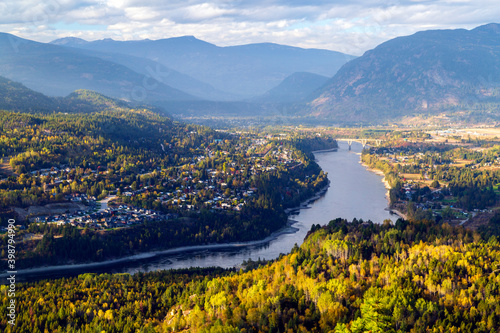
<point>305,205</point>
<point>325,150</point>
<point>398,213</point>
<point>380,173</point>
<point>388,187</point>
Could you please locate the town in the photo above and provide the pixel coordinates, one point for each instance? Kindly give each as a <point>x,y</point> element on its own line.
<point>172,191</point>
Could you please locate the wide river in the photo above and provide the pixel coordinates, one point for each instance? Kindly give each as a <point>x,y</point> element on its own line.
<point>354,192</point>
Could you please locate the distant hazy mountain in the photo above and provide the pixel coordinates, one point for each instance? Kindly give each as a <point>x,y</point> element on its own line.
<point>247,70</point>
<point>154,71</point>
<point>69,41</point>
<point>427,72</point>
<point>57,71</point>
<point>295,88</point>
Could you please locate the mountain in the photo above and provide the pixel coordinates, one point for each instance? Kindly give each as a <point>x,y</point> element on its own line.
<point>57,71</point>
<point>154,71</point>
<point>245,70</point>
<point>14,96</point>
<point>68,41</point>
<point>295,88</point>
<point>427,72</point>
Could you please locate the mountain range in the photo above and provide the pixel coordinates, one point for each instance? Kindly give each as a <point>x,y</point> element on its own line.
<point>428,72</point>
<point>161,71</point>
<point>244,71</point>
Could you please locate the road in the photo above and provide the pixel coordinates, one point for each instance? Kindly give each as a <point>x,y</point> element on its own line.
<point>104,203</point>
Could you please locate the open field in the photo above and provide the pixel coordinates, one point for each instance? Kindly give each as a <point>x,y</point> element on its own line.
<point>461,163</point>
<point>485,133</point>
<point>415,177</point>
<point>412,176</point>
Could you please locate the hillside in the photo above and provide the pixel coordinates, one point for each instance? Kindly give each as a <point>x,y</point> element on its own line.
<point>427,72</point>
<point>295,88</point>
<point>346,277</point>
<point>15,96</point>
<point>245,70</point>
<point>57,71</point>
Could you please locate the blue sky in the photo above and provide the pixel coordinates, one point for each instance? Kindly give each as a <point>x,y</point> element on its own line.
<point>346,26</point>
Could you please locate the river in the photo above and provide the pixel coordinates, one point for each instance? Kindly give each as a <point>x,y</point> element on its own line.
<point>354,192</point>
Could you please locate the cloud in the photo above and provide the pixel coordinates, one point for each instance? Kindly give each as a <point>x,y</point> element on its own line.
<point>204,11</point>
<point>141,14</point>
<point>351,27</point>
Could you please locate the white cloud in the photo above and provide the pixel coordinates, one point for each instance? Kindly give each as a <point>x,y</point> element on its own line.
<point>204,11</point>
<point>141,14</point>
<point>351,27</point>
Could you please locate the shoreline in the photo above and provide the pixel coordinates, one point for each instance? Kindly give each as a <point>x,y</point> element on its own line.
<point>324,150</point>
<point>304,205</point>
<point>288,228</point>
<point>380,173</point>
<point>398,213</point>
<point>388,187</point>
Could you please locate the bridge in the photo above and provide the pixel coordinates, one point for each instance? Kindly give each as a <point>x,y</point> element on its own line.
<point>364,142</point>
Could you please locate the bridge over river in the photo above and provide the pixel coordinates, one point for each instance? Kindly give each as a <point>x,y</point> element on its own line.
<point>364,142</point>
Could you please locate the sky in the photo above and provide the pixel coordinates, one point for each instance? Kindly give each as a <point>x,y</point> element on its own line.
<point>351,27</point>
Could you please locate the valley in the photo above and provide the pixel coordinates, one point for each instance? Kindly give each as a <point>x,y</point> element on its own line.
<point>175,185</point>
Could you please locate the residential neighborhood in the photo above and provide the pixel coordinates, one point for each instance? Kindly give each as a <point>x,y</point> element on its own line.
<point>175,190</point>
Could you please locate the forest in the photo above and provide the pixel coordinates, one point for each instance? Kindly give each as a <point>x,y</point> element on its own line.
<point>357,276</point>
